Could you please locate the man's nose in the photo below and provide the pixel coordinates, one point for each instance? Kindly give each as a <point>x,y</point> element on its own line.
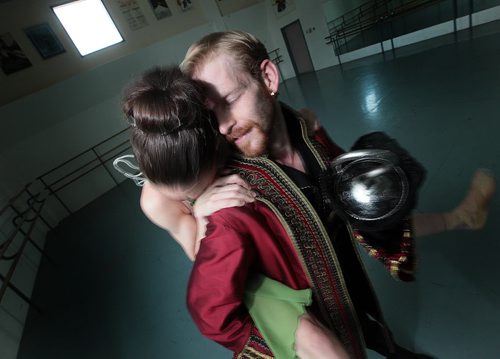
<point>226,124</point>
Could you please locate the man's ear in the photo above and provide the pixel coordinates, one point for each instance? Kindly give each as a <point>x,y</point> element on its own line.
<point>270,75</point>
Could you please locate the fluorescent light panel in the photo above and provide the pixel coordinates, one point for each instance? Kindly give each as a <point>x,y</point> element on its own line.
<point>88,24</point>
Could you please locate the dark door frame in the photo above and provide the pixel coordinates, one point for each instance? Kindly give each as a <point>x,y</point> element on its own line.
<point>292,59</point>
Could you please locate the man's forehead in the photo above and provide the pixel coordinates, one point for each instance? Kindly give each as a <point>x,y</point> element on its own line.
<point>222,75</point>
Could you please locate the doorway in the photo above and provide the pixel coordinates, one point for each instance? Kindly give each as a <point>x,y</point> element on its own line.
<point>297,47</point>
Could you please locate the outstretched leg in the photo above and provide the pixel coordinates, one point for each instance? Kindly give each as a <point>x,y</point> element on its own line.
<point>470,214</point>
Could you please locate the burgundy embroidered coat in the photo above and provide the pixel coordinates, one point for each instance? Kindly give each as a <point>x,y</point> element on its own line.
<point>282,237</point>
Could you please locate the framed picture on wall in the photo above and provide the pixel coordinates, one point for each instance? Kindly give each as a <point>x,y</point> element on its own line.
<point>44,40</point>
<point>283,7</point>
<point>184,4</point>
<point>133,14</point>
<point>160,8</point>
<point>12,58</point>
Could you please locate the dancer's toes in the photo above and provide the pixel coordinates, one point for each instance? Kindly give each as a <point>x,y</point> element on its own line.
<point>473,211</point>
<point>484,182</point>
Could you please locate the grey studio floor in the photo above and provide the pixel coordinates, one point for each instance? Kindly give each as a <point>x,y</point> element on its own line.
<point>117,288</point>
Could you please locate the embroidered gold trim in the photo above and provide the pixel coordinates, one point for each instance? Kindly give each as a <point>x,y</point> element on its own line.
<point>251,353</point>
<point>312,242</point>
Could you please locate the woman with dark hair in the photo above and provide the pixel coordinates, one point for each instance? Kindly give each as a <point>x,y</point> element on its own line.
<point>180,152</point>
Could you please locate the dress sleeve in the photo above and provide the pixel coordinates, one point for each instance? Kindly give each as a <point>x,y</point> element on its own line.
<point>217,283</point>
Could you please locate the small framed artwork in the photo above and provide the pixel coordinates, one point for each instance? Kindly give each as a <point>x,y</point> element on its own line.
<point>133,14</point>
<point>184,4</point>
<point>44,40</point>
<point>283,7</point>
<point>160,8</point>
<point>12,58</point>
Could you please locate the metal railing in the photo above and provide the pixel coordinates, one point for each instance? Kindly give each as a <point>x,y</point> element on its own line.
<point>72,170</point>
<point>25,218</point>
<point>379,17</point>
<point>364,14</point>
<point>22,214</point>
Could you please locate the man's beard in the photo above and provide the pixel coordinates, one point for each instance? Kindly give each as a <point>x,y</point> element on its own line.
<point>256,145</point>
<point>260,128</point>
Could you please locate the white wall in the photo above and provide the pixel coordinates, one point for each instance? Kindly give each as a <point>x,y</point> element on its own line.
<point>333,9</point>
<point>251,20</point>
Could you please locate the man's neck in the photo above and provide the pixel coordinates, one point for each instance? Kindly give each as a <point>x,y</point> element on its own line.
<point>281,149</point>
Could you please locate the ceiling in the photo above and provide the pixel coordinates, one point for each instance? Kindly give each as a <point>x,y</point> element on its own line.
<point>16,16</point>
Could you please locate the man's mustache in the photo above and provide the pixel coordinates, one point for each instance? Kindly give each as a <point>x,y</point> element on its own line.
<point>236,133</point>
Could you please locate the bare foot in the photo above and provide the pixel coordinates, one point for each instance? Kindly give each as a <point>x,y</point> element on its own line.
<point>473,211</point>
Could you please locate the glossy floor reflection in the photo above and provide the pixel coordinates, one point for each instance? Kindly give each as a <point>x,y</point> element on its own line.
<point>117,290</point>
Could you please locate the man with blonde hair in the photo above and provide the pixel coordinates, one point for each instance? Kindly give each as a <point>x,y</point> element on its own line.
<point>301,242</point>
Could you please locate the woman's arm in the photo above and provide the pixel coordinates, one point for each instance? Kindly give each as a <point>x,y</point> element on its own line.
<point>186,225</point>
<point>227,191</point>
<point>173,216</point>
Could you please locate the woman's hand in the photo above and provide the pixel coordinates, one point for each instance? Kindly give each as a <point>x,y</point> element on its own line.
<point>227,191</point>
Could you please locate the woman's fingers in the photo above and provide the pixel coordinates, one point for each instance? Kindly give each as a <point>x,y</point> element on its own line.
<point>230,179</point>
<point>230,191</point>
<point>226,192</point>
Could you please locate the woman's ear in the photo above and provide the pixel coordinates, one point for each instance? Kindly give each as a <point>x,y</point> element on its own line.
<point>270,75</point>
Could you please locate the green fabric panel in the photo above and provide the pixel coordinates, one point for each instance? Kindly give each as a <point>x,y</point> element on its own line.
<point>275,310</point>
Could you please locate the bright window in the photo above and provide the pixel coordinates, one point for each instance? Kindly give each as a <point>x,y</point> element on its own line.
<point>88,24</point>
